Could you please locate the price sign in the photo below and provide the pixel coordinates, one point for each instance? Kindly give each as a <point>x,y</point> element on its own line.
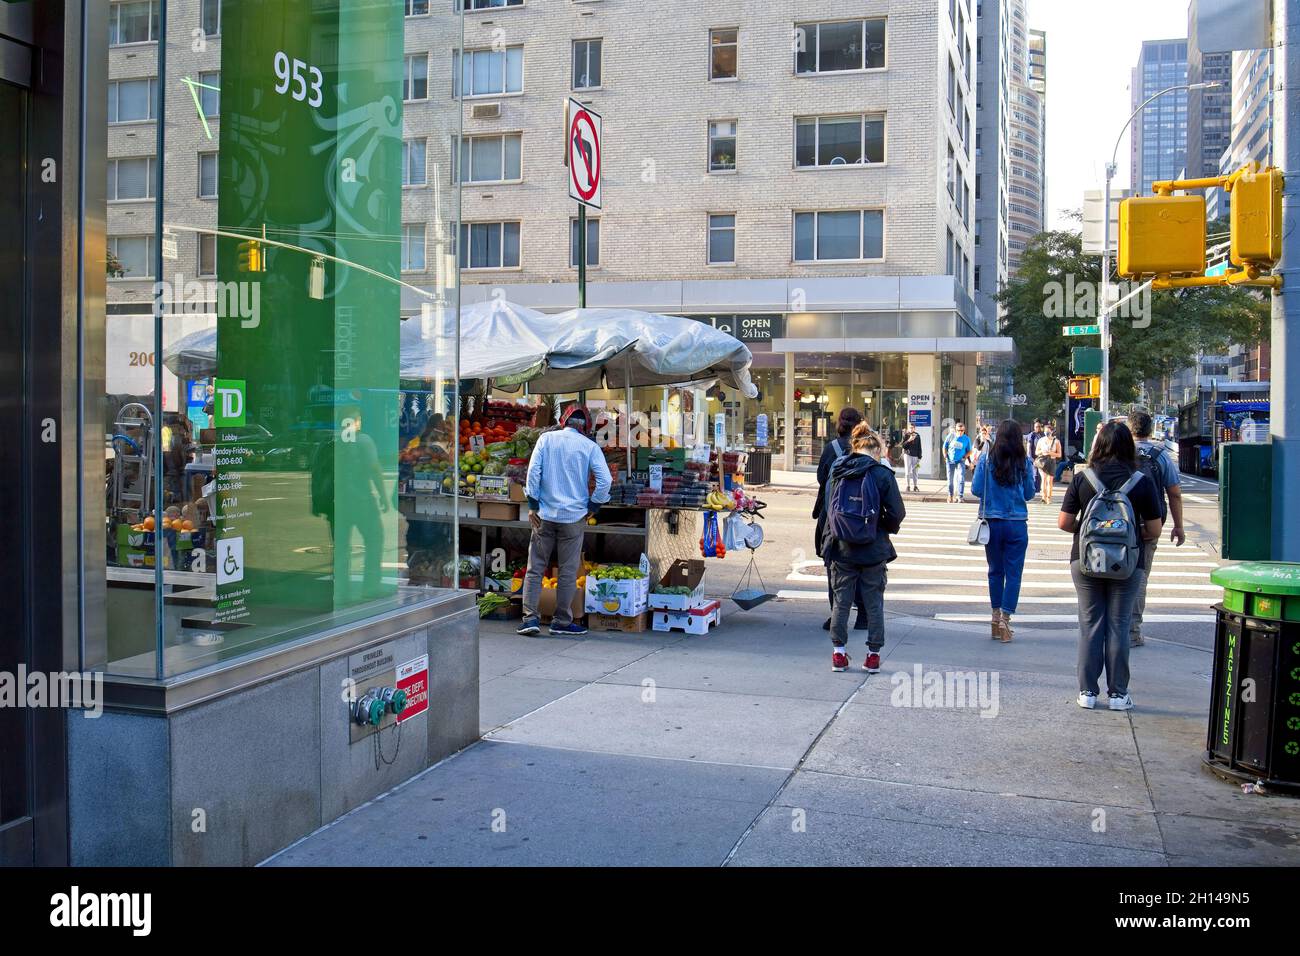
<point>477,443</point>
<point>657,478</point>
<point>760,432</point>
<point>493,486</point>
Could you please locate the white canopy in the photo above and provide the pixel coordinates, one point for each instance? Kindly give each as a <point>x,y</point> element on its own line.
<point>614,348</point>
<point>575,350</point>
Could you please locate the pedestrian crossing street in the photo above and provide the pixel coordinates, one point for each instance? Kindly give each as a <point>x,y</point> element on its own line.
<point>938,575</point>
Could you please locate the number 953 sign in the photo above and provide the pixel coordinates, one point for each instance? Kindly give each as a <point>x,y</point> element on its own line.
<point>306,86</point>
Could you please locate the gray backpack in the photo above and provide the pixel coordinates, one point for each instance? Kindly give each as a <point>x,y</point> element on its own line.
<point>1110,539</point>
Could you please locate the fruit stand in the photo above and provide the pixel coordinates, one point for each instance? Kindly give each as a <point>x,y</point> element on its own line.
<point>661,499</point>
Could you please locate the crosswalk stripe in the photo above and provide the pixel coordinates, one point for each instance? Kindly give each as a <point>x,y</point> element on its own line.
<point>1074,618</point>
<point>929,598</point>
<point>959,566</point>
<point>1062,579</point>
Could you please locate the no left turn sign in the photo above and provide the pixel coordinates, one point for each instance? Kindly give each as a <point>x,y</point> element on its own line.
<point>584,154</point>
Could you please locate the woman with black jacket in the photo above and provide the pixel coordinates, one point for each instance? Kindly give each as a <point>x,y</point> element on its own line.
<point>832,452</point>
<point>858,570</point>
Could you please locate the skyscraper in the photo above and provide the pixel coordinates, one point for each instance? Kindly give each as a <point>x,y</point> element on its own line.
<point>1025,182</point>
<point>992,142</point>
<point>1209,112</point>
<point>1159,149</point>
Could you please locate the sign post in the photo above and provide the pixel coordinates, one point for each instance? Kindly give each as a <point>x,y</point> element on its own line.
<point>583,157</point>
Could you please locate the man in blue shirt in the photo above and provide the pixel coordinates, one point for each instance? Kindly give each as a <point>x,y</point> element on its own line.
<point>956,450</point>
<point>558,508</point>
<point>1155,461</point>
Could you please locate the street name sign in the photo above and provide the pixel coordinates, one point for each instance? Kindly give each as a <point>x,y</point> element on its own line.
<point>1070,330</point>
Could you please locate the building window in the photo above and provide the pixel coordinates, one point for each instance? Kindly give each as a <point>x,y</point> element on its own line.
<point>413,157</point>
<point>489,245</point>
<point>207,254</point>
<point>586,64</point>
<point>722,239</point>
<point>722,146</point>
<point>839,140</point>
<point>131,101</point>
<point>839,236</point>
<point>487,72</point>
<point>488,159</point>
<point>417,8</point>
<point>487,4</point>
<point>210,17</point>
<point>412,247</point>
<point>593,243</point>
<point>415,80</point>
<point>132,22</point>
<point>130,178</point>
<point>724,52</point>
<point>207,175</point>
<point>134,254</point>
<point>209,92</point>
<point>839,47</point>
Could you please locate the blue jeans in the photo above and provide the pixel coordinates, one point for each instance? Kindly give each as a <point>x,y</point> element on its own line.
<point>957,475</point>
<point>1008,542</point>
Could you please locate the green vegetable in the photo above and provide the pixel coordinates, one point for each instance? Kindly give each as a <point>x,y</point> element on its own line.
<point>490,602</point>
<point>679,589</point>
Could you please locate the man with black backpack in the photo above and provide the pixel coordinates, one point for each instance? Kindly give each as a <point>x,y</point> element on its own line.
<point>863,508</point>
<point>1155,463</point>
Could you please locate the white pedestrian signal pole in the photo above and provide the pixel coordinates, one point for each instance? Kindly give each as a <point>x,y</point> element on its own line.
<point>1285,390</point>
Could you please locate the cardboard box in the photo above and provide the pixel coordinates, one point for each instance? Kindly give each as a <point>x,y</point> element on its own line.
<point>517,493</point>
<point>626,598</point>
<point>636,624</point>
<point>546,605</point>
<point>695,621</point>
<point>681,574</point>
<point>498,510</point>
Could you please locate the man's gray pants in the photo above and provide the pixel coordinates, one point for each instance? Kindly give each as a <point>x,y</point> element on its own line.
<point>1140,603</point>
<point>850,583</point>
<point>565,542</point>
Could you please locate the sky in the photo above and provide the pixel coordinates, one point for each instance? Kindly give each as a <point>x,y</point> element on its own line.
<point>1091,51</point>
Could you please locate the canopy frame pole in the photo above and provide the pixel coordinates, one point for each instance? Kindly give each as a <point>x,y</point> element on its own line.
<point>627,384</point>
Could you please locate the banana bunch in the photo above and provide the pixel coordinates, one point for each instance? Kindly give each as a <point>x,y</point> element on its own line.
<point>717,501</point>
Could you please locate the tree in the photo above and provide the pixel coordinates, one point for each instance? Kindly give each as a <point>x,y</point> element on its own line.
<point>1057,285</point>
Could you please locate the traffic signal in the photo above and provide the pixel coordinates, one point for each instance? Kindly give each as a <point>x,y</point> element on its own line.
<point>1256,218</point>
<point>1085,386</point>
<point>252,258</point>
<point>1162,235</point>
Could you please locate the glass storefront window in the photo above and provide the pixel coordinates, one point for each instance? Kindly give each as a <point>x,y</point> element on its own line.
<point>279,366</point>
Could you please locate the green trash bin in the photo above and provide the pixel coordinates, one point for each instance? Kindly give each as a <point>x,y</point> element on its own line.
<point>1254,732</point>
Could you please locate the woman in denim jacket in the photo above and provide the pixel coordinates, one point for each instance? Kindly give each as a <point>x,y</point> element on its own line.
<point>1004,481</point>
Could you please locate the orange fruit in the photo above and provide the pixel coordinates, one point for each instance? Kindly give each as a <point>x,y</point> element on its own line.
<point>148,523</point>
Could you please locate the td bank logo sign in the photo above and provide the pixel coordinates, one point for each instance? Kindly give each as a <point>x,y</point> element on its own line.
<point>228,405</point>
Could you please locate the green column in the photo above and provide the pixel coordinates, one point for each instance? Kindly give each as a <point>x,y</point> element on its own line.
<point>311,139</point>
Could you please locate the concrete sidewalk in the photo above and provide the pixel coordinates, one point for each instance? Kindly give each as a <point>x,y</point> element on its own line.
<point>743,748</point>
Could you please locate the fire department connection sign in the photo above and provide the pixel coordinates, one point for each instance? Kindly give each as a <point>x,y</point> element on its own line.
<point>584,153</point>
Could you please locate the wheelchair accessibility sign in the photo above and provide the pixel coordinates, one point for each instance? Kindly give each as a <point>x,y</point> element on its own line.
<point>230,560</point>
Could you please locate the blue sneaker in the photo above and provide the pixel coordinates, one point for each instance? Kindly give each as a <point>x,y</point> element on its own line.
<point>568,630</point>
<point>529,627</point>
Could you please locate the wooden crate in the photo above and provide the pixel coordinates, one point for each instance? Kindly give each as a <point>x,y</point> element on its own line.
<point>637,624</point>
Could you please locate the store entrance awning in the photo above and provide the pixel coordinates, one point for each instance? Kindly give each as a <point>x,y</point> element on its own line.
<point>985,350</point>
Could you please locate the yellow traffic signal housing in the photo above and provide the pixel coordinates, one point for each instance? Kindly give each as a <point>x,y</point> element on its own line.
<point>1085,386</point>
<point>1162,235</point>
<point>1256,218</point>
<point>251,256</point>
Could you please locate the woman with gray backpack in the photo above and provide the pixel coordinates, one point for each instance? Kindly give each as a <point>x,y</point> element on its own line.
<point>1112,510</point>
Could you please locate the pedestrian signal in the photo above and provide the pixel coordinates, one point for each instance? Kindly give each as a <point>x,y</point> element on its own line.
<point>1256,217</point>
<point>1162,235</point>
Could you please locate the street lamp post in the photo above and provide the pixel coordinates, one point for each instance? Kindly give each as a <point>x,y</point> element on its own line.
<point>1104,305</point>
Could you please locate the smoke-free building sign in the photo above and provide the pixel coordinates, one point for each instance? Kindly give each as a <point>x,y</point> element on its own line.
<point>584,154</point>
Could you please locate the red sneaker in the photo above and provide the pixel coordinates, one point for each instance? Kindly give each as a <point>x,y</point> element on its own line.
<point>839,661</point>
<point>872,664</point>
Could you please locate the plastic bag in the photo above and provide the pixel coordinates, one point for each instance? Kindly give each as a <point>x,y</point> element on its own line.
<point>733,534</point>
<point>711,544</point>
